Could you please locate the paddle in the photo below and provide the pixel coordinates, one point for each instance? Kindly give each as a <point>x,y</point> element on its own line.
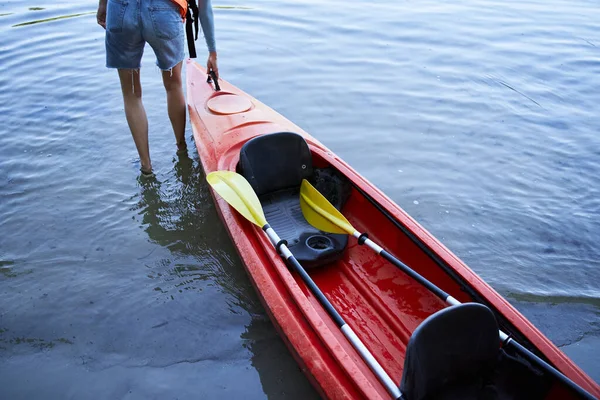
<point>321,214</point>
<point>236,191</point>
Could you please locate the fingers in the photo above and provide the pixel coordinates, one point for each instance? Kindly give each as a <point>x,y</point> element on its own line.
<point>210,66</point>
<point>101,20</point>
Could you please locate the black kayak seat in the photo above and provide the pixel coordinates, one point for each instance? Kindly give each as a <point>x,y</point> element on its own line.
<point>275,162</point>
<point>452,354</point>
<point>275,165</point>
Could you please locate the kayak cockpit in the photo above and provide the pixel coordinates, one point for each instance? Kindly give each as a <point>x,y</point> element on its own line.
<point>448,353</point>
<point>275,166</point>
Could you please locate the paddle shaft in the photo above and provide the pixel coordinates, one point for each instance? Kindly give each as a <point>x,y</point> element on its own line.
<point>362,239</point>
<point>287,255</point>
<point>505,339</point>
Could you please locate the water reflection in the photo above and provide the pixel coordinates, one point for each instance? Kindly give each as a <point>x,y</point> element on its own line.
<point>506,185</point>
<point>177,212</point>
<point>279,376</point>
<point>39,21</point>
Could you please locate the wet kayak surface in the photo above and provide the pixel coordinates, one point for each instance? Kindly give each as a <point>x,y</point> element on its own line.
<point>478,118</point>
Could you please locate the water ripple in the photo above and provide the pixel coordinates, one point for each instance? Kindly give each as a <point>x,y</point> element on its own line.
<point>479,118</point>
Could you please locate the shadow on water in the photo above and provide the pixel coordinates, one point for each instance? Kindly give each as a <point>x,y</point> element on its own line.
<point>178,213</point>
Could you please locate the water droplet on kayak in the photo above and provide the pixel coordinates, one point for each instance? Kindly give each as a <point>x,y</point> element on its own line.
<point>416,202</point>
<point>447,212</point>
<point>399,170</point>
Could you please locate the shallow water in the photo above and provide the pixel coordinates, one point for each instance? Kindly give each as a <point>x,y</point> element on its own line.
<point>479,118</point>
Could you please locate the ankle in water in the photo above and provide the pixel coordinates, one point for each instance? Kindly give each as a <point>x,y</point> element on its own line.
<point>146,170</point>
<point>181,148</point>
<point>147,173</point>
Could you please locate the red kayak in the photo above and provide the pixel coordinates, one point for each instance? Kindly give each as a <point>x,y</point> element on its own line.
<point>430,350</point>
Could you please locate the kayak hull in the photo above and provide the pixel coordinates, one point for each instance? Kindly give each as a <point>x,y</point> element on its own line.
<point>382,305</point>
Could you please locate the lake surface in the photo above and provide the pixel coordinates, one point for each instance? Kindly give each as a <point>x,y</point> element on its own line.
<point>480,118</point>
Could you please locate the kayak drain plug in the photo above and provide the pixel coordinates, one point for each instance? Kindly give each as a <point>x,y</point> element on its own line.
<point>319,242</point>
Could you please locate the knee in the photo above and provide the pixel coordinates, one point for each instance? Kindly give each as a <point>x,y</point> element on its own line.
<point>172,83</point>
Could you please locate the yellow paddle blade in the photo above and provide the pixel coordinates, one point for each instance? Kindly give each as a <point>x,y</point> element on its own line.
<point>236,191</point>
<point>320,213</point>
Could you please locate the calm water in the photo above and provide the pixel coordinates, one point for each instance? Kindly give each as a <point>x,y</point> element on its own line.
<point>480,118</point>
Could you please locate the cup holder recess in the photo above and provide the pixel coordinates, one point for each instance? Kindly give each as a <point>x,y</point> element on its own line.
<point>319,242</point>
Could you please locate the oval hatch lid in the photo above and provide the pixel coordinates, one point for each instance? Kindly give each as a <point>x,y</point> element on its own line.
<point>227,104</point>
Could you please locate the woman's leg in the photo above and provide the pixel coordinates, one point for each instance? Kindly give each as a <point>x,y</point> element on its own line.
<point>136,114</point>
<point>176,103</point>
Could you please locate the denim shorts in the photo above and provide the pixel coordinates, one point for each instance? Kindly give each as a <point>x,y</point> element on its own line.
<point>132,23</point>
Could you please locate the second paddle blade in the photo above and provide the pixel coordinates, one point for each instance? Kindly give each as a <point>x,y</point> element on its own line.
<point>320,213</point>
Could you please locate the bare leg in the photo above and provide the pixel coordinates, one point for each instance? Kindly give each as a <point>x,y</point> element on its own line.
<point>176,103</point>
<point>136,114</point>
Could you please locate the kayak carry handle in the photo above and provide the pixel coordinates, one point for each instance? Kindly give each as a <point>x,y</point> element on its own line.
<point>214,79</point>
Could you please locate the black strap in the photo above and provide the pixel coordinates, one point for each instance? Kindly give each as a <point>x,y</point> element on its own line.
<point>189,28</point>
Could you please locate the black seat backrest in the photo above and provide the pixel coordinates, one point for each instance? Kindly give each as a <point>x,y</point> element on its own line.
<point>275,161</point>
<point>455,344</point>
